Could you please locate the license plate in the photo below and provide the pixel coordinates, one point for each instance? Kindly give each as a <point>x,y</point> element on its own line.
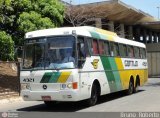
<point>46,98</point>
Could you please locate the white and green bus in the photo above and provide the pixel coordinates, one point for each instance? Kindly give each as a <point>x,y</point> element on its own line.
<point>80,63</point>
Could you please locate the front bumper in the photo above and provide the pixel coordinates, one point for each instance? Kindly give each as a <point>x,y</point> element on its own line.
<point>61,95</point>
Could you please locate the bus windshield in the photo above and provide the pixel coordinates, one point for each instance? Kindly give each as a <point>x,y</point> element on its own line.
<point>50,53</point>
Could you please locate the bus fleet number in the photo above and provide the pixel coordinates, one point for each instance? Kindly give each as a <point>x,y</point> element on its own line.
<point>28,79</point>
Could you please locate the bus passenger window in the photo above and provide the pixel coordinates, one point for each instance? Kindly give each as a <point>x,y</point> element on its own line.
<point>137,52</point>
<point>95,47</point>
<point>142,53</point>
<point>106,48</point>
<point>112,49</point>
<point>123,50</point>
<point>88,46</point>
<point>116,49</point>
<point>130,51</point>
<point>101,47</point>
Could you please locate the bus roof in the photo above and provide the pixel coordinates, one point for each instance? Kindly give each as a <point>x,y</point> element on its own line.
<point>83,31</point>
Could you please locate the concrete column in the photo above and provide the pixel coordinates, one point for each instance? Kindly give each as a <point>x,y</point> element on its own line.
<point>121,32</point>
<point>98,22</point>
<point>155,37</point>
<point>150,37</point>
<point>158,37</point>
<point>144,36</point>
<point>137,34</point>
<point>130,28</point>
<point>111,26</point>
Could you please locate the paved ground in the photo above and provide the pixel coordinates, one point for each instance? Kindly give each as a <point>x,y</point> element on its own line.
<point>147,99</point>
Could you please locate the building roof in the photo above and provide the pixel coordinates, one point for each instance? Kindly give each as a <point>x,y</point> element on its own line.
<point>152,25</point>
<point>117,11</point>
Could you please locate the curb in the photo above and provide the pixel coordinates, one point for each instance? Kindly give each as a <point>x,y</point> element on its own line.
<point>11,100</point>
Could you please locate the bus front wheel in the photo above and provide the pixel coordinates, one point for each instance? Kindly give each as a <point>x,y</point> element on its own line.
<point>94,96</point>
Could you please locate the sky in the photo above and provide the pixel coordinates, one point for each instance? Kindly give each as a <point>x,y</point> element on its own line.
<point>148,6</point>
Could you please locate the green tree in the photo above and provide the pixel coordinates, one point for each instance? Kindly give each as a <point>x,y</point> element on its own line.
<point>33,21</point>
<point>6,47</point>
<point>20,16</point>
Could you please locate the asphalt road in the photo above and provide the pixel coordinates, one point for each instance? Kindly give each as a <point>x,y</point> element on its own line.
<point>147,99</point>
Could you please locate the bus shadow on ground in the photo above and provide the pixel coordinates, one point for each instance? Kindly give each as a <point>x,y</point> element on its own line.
<point>74,106</point>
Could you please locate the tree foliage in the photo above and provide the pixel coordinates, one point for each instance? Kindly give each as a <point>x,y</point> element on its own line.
<point>6,47</point>
<point>33,21</point>
<point>20,16</point>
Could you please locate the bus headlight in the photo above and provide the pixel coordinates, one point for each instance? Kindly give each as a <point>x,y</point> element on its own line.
<point>69,85</point>
<point>73,85</point>
<point>25,86</point>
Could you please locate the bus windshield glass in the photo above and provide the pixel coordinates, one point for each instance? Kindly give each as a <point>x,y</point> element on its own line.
<point>50,53</point>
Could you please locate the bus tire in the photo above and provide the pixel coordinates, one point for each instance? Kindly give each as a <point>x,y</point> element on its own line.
<point>131,87</point>
<point>136,88</point>
<point>50,103</point>
<point>94,96</point>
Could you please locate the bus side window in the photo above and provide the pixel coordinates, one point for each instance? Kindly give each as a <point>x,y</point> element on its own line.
<point>126,52</point>
<point>142,53</point>
<point>88,46</point>
<point>112,49</point>
<point>116,49</point>
<point>106,48</point>
<point>101,48</point>
<point>123,50</point>
<point>130,51</point>
<point>144,50</point>
<point>137,52</point>
<point>95,47</point>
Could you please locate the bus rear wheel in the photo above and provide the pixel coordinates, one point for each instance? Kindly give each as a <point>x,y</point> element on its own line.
<point>94,96</point>
<point>130,88</point>
<point>136,88</point>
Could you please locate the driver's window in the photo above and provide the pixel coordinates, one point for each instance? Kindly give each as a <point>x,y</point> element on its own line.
<point>82,51</point>
<point>39,55</point>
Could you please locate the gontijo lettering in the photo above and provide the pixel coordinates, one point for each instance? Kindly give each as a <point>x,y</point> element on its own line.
<point>130,63</point>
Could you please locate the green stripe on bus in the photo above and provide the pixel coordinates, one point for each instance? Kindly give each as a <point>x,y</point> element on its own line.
<point>46,77</point>
<point>117,80</point>
<point>108,71</point>
<point>95,35</point>
<point>103,37</point>
<point>98,36</point>
<point>50,77</point>
<point>112,73</point>
<point>54,77</point>
<point>115,73</point>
